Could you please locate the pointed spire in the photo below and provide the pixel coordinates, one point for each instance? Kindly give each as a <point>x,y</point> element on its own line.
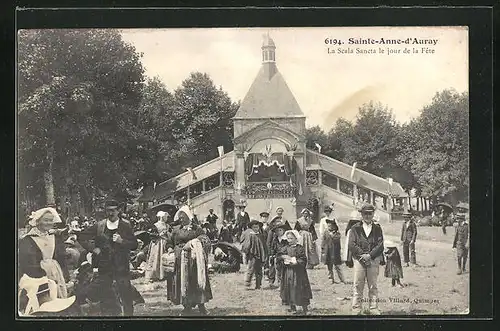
<point>269,56</point>
<point>268,49</point>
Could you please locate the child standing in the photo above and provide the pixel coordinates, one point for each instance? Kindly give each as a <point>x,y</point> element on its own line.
<point>393,268</point>
<point>255,251</point>
<point>295,289</point>
<point>277,244</point>
<point>330,250</point>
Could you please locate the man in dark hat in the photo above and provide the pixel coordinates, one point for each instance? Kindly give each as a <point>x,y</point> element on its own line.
<point>211,217</point>
<point>113,239</point>
<point>366,243</point>
<point>211,220</point>
<point>408,238</point>
<point>461,242</point>
<point>242,220</point>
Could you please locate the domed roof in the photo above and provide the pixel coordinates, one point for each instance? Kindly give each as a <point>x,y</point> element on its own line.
<point>268,42</point>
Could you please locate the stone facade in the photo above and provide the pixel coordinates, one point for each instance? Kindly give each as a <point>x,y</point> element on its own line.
<point>269,130</point>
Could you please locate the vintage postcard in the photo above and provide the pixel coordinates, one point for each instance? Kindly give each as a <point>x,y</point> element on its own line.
<point>243,172</point>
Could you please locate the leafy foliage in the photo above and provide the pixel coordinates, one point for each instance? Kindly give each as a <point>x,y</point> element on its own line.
<point>78,92</point>
<point>430,153</point>
<point>440,154</point>
<point>315,135</point>
<point>84,95</point>
<point>203,116</point>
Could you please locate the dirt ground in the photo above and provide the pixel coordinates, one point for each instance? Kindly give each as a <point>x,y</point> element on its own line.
<point>432,287</point>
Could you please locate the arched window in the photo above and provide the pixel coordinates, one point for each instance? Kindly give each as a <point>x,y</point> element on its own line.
<point>272,56</point>
<point>265,56</point>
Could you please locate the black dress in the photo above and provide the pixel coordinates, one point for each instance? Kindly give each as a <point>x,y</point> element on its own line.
<point>393,268</point>
<point>194,295</point>
<point>295,288</point>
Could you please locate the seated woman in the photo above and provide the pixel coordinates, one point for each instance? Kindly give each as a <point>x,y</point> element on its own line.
<point>44,254</point>
<point>225,263</point>
<point>190,285</point>
<point>139,256</point>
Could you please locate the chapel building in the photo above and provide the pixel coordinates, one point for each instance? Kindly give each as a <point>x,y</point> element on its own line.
<point>270,165</point>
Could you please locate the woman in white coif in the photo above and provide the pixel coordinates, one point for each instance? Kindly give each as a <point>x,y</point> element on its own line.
<point>43,253</point>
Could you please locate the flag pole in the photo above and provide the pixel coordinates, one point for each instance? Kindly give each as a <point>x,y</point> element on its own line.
<point>188,190</point>
<point>220,149</point>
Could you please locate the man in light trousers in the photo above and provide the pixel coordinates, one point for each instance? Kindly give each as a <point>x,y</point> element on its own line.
<point>366,242</point>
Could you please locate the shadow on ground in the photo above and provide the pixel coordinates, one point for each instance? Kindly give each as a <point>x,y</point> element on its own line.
<point>394,312</point>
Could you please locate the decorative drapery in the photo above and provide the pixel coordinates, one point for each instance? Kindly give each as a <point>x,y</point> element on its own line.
<point>281,160</point>
<point>259,159</point>
<point>249,165</point>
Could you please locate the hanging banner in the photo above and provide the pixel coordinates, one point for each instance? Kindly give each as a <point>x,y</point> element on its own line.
<point>221,150</point>
<point>353,169</point>
<point>249,165</point>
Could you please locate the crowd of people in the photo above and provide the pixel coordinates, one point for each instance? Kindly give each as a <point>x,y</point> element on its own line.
<point>85,266</point>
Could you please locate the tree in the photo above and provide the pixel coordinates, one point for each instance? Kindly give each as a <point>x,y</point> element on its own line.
<point>185,127</point>
<point>154,126</point>
<point>371,142</point>
<point>315,135</point>
<point>340,133</point>
<point>202,118</point>
<point>439,153</point>
<point>78,95</point>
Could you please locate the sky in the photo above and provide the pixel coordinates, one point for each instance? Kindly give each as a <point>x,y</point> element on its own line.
<point>326,86</point>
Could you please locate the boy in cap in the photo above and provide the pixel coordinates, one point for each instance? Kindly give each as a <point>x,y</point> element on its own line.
<point>330,250</point>
<point>323,226</point>
<point>113,241</point>
<point>408,238</point>
<point>366,242</point>
<point>323,222</point>
<point>255,252</point>
<point>461,242</point>
<point>277,246</point>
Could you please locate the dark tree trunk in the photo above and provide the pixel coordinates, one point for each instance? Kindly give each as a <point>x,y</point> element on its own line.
<point>48,177</point>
